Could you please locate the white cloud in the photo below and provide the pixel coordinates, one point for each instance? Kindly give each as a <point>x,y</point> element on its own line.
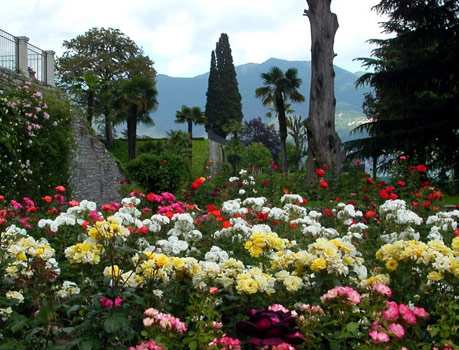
<point>179,34</point>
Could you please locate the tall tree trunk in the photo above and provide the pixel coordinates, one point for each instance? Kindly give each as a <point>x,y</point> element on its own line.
<point>132,132</point>
<point>375,166</point>
<point>91,106</point>
<point>324,144</point>
<point>282,132</point>
<point>108,130</point>
<point>190,129</point>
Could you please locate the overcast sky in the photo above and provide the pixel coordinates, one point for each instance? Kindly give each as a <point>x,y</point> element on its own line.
<point>180,34</point>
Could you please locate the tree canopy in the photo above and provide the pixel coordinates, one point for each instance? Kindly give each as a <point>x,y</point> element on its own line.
<point>413,107</point>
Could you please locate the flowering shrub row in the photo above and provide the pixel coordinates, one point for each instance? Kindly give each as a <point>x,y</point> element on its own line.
<point>253,272</point>
<point>34,140</point>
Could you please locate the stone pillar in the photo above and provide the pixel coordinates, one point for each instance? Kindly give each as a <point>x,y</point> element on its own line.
<point>50,65</point>
<point>22,58</point>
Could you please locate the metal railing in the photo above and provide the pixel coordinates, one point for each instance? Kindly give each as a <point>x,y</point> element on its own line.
<point>18,55</point>
<point>8,51</point>
<point>36,63</point>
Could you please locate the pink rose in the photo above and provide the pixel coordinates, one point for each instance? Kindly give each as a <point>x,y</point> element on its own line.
<point>392,311</point>
<point>378,337</point>
<point>106,303</point>
<point>397,330</point>
<point>118,301</point>
<point>382,289</point>
<point>407,315</point>
<point>420,312</point>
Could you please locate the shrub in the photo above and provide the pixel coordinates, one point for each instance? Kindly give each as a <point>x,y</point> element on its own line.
<point>256,156</point>
<point>158,172</point>
<point>34,140</point>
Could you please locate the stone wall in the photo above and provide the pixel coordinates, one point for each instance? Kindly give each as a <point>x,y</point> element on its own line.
<point>94,174</point>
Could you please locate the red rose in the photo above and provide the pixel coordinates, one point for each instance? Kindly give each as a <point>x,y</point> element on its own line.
<point>47,199</point>
<point>370,181</point>
<point>226,224</point>
<point>73,203</point>
<point>198,183</point>
<point>421,168</point>
<point>2,198</point>
<point>370,214</point>
<point>320,172</point>
<point>401,183</point>
<point>143,230</point>
<point>427,204</point>
<point>60,189</point>
<point>323,183</point>
<point>327,212</point>
<point>393,196</point>
<point>456,232</point>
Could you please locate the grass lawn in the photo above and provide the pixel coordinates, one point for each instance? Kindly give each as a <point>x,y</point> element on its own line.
<point>200,157</point>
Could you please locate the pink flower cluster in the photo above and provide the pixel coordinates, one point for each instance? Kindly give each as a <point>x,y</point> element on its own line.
<point>164,321</point>
<point>396,317</point>
<point>382,289</point>
<point>107,303</point>
<point>350,294</point>
<point>226,343</point>
<point>147,345</point>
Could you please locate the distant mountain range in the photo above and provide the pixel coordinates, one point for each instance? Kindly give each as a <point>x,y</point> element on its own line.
<point>173,92</point>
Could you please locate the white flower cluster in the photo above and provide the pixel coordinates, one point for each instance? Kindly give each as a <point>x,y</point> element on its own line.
<point>184,227</point>
<point>233,207</point>
<point>172,246</point>
<point>216,254</point>
<point>292,199</point>
<point>442,222</point>
<point>71,217</point>
<point>68,289</point>
<point>347,213</point>
<point>15,296</point>
<point>396,211</point>
<point>155,223</point>
<point>256,203</point>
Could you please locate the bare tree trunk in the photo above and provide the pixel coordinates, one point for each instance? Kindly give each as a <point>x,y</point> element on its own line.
<point>108,131</point>
<point>324,144</point>
<point>283,133</point>
<point>132,132</point>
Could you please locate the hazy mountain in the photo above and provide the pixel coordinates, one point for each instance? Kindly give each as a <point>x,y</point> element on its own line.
<point>174,92</point>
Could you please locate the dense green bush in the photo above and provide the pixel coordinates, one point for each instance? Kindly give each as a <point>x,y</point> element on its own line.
<point>158,172</point>
<point>35,140</point>
<point>256,156</point>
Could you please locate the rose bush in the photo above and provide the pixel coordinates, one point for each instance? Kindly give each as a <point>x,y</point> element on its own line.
<point>254,267</point>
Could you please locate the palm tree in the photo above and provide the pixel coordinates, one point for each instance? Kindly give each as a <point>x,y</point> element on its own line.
<point>190,115</point>
<point>136,97</point>
<point>279,88</point>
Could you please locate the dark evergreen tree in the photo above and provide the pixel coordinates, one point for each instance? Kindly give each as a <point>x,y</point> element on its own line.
<point>223,107</point>
<point>414,104</point>
<point>212,111</point>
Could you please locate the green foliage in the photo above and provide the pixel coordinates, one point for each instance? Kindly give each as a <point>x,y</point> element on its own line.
<point>279,88</point>
<point>35,141</point>
<point>223,106</point>
<point>413,103</point>
<point>158,172</point>
<point>256,156</point>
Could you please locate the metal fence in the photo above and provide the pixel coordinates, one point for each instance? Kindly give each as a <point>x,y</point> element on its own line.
<point>8,51</point>
<point>17,54</point>
<point>36,63</point>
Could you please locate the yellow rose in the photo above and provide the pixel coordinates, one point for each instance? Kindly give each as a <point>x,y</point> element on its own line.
<point>435,276</point>
<point>318,264</point>
<point>455,243</point>
<point>392,265</point>
<point>247,285</point>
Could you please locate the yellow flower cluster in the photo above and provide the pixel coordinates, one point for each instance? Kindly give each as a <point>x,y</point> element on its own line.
<point>23,251</point>
<point>255,280</point>
<point>156,266</point>
<point>261,241</point>
<point>108,229</point>
<point>376,279</point>
<point>291,282</point>
<point>86,252</point>
<point>434,254</point>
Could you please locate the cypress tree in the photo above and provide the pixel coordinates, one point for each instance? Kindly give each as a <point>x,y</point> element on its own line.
<point>231,111</point>
<point>213,99</point>
<point>223,106</point>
